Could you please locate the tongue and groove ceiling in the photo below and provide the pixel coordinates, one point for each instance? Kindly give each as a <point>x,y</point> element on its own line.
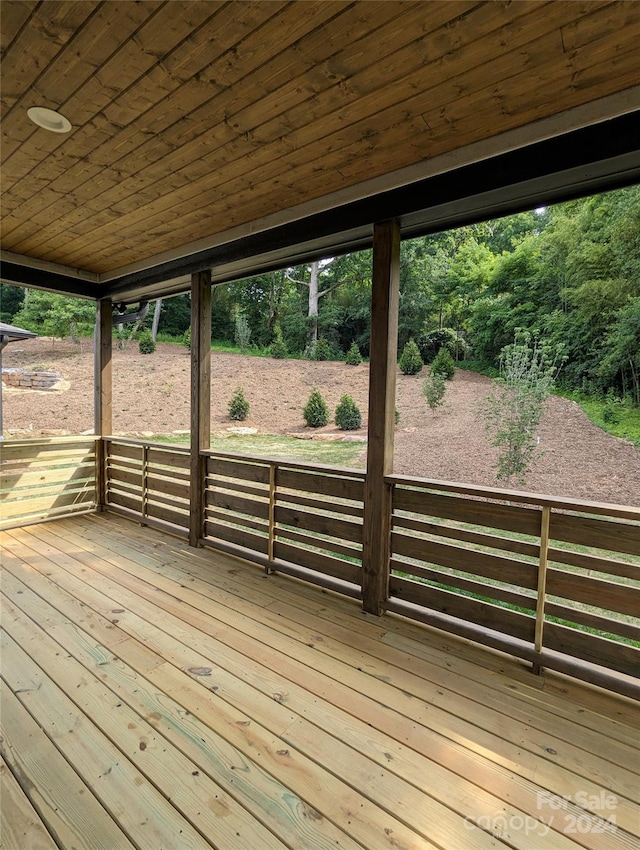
<point>192,119</point>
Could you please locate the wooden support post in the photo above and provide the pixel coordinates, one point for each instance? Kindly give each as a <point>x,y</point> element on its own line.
<point>382,407</point>
<point>200,398</point>
<point>103,392</point>
<point>272,516</point>
<point>542,583</point>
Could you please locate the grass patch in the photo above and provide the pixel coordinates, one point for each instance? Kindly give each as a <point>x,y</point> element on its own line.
<point>280,448</point>
<point>627,425</point>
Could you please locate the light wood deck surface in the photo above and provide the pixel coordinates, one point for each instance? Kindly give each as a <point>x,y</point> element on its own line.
<point>156,696</point>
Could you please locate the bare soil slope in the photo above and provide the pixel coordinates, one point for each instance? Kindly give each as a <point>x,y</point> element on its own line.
<point>151,396</point>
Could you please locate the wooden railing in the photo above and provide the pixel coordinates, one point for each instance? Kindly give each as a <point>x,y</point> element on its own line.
<point>291,517</point>
<point>553,581</point>
<point>148,482</point>
<point>547,579</point>
<point>46,478</point>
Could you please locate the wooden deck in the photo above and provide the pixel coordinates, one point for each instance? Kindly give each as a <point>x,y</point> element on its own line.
<point>164,698</point>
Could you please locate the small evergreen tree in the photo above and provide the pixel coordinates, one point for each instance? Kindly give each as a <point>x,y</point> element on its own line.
<point>278,348</point>
<point>433,389</point>
<point>354,358</point>
<point>316,412</point>
<point>238,406</point>
<point>348,416</point>
<point>146,343</point>
<point>322,350</point>
<point>186,339</point>
<point>410,360</point>
<point>443,365</point>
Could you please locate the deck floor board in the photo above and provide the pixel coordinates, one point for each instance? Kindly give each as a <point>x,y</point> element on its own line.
<point>259,711</point>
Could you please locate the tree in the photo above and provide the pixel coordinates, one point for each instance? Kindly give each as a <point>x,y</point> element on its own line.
<point>238,406</point>
<point>316,412</point>
<point>433,389</point>
<point>410,360</point>
<point>514,408</point>
<point>243,332</point>
<point>11,302</point>
<point>156,319</point>
<point>348,416</point>
<point>56,315</point>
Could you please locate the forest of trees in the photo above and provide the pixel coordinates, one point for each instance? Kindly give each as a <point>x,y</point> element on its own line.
<point>570,273</point>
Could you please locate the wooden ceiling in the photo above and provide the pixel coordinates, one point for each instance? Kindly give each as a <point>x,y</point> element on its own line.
<point>191,118</point>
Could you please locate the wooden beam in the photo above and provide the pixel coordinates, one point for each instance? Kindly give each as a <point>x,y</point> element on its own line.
<point>382,405</point>
<point>200,396</point>
<point>103,392</point>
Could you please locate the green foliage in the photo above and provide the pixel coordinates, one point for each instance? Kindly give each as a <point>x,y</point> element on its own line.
<point>316,412</point>
<point>322,350</point>
<point>11,301</point>
<point>242,332</point>
<point>396,416</point>
<point>278,348</point>
<point>410,360</point>
<point>175,316</point>
<point>611,410</point>
<point>430,343</point>
<point>434,389</point>
<point>146,343</point>
<point>348,416</point>
<point>238,406</point>
<point>56,315</point>
<point>514,408</point>
<point>186,339</point>
<point>353,358</point>
<point>443,365</point>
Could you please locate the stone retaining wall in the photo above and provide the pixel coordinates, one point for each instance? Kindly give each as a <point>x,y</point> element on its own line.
<point>29,380</point>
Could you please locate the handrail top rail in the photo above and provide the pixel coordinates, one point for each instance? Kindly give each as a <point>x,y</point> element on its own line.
<point>343,471</point>
<point>133,441</point>
<point>628,512</point>
<point>50,441</point>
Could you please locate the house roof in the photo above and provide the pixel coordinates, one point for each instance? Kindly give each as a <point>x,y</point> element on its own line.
<point>242,135</point>
<point>9,333</point>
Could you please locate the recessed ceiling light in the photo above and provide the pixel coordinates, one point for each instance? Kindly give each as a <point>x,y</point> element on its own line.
<point>49,119</point>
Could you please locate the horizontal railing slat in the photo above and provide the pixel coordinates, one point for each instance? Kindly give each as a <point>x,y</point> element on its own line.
<point>320,484</point>
<point>320,523</point>
<point>598,650</point>
<point>239,504</point>
<point>317,561</point>
<point>611,535</point>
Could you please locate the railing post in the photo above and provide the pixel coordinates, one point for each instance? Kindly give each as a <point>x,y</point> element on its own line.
<point>542,584</point>
<point>273,470</point>
<point>381,422</point>
<point>200,398</point>
<point>145,482</point>
<point>102,399</point>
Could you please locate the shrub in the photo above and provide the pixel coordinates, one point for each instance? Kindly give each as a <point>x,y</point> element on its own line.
<point>397,416</point>
<point>433,389</point>
<point>238,406</point>
<point>322,350</point>
<point>278,348</point>
<point>316,412</point>
<point>348,416</point>
<point>186,339</point>
<point>410,360</point>
<point>146,343</point>
<point>354,358</point>
<point>242,333</point>
<point>430,343</point>
<point>443,365</point>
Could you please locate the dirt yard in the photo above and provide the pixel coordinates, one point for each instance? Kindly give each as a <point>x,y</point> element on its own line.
<point>151,396</point>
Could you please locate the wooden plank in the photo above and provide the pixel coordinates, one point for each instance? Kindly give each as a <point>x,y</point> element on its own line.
<point>240,521</point>
<point>125,476</point>
<point>168,458</point>
<point>236,487</point>
<point>612,596</point>
<point>181,797</point>
<point>115,498</point>
<point>65,803</point>
<point>464,559</point>
<point>174,517</point>
<point>246,539</point>
<point>330,526</point>
<point>412,710</point>
<point>473,511</point>
<point>318,484</point>
<point>200,397</point>
<point>238,504</point>
<point>20,825</point>
<point>46,478</point>
<point>319,504</point>
<point>489,591</point>
<point>493,541</point>
<point>597,650</point>
<point>586,561</point>
<point>280,808</point>
<point>472,610</point>
<point>381,416</point>
<point>285,534</point>
<point>226,468</point>
<point>542,578</point>
<point>123,450</point>
<point>167,486</point>
<point>609,625</point>
<point>598,533</point>
<point>78,498</point>
<point>317,561</point>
